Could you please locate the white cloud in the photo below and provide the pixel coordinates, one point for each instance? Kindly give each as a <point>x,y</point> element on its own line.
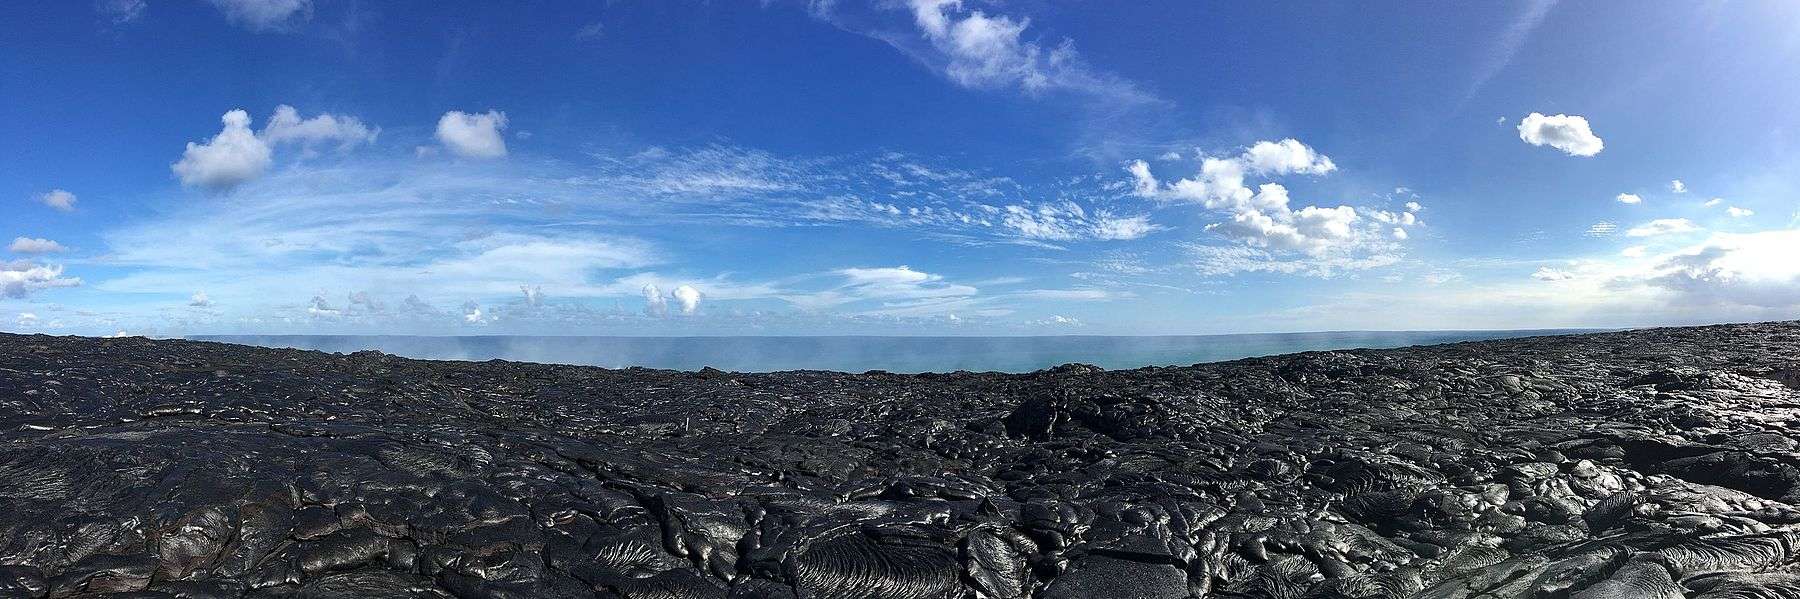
<point>1662,226</point>
<point>287,126</point>
<point>534,295</point>
<point>27,319</point>
<point>900,282</point>
<point>1713,202</point>
<point>237,155</point>
<point>978,50</point>
<point>1737,212</point>
<point>1142,182</point>
<point>1552,274</point>
<point>1169,156</point>
<point>894,292</point>
<point>1057,320</point>
<point>654,302</point>
<point>1602,229</point>
<point>1219,260</point>
<point>319,308</point>
<point>472,314</point>
<point>1677,186</point>
<point>20,278</point>
<point>1107,226</point>
<point>1569,133</point>
<point>1754,269</point>
<point>29,245</point>
<point>121,12</point>
<point>1507,44</point>
<point>1441,276</point>
<point>1285,157</point>
<point>1636,251</point>
<point>1068,221</point>
<point>265,15</point>
<point>1336,236</point>
<point>58,199</point>
<point>473,135</point>
<point>230,158</point>
<point>1629,198</point>
<point>199,300</point>
<point>1220,183</point>
<point>1082,294</point>
<point>687,298</point>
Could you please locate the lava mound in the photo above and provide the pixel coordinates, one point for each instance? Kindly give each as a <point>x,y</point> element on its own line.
<point>1657,463</point>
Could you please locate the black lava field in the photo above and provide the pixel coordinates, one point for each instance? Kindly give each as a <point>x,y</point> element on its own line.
<point>1658,463</point>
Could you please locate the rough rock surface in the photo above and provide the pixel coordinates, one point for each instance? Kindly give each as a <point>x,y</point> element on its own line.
<point>1654,463</point>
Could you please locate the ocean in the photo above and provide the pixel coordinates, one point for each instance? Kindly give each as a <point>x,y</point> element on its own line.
<point>857,354</point>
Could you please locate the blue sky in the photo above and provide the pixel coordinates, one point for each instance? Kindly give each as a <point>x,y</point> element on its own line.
<point>894,167</point>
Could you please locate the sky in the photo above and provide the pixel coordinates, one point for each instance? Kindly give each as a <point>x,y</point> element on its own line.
<point>909,167</point>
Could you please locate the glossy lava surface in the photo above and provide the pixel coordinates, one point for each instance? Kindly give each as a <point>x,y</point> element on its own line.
<point>1654,463</point>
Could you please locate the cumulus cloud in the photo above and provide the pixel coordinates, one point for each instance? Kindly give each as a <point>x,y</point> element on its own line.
<point>687,298</point>
<point>366,303</point>
<point>1629,198</point>
<point>30,245</point>
<point>1284,157</point>
<point>1737,212</point>
<point>20,278</point>
<point>979,50</point>
<point>319,308</point>
<point>472,314</point>
<point>1569,133</point>
<point>265,15</point>
<point>1337,237</point>
<point>1662,226</point>
<point>199,300</point>
<point>287,126</point>
<point>1220,183</point>
<point>237,154</point>
<point>473,135</point>
<point>654,302</point>
<point>58,199</point>
<point>1677,186</point>
<point>1552,274</point>
<point>230,158</point>
<point>1142,182</point>
<point>534,295</point>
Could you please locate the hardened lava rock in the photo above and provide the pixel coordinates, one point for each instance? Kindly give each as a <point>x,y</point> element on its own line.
<point>1657,463</point>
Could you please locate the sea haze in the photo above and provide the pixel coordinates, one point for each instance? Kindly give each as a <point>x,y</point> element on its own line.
<point>857,354</point>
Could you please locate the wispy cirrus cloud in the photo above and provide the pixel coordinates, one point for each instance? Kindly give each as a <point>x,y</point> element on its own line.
<point>396,231</point>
